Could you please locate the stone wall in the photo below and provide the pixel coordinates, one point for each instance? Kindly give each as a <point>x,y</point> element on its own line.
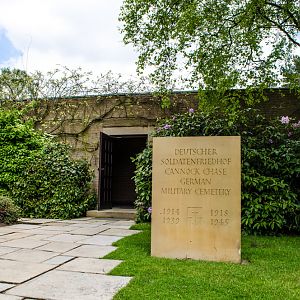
<point>78,121</point>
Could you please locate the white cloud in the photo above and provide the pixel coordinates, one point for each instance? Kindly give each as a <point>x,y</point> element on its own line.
<point>81,33</point>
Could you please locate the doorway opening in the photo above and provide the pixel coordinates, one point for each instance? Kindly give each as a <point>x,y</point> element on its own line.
<point>116,186</point>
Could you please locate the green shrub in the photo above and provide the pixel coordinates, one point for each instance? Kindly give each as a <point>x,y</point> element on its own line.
<point>39,173</point>
<point>9,212</point>
<point>270,164</point>
<point>269,205</point>
<point>143,184</point>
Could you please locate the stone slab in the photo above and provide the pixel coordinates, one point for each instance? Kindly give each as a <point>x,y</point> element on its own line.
<point>5,250</point>
<point>124,222</point>
<point>67,221</point>
<point>24,226</point>
<point>90,265</point>
<point>9,297</point>
<point>120,226</point>
<point>91,251</point>
<point>17,271</point>
<point>85,225</point>
<point>120,232</point>
<point>45,231</point>
<point>29,255</point>
<point>15,236</point>
<point>113,213</point>
<point>82,219</point>
<point>59,247</point>
<point>90,230</point>
<point>102,221</point>
<point>59,223</point>
<point>102,240</point>
<point>196,198</point>
<point>24,243</point>
<point>36,221</point>
<point>40,237</point>
<point>58,260</point>
<point>6,230</point>
<point>5,286</point>
<point>65,285</point>
<point>61,228</point>
<point>67,238</point>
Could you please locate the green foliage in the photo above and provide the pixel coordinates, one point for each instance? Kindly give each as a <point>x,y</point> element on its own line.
<point>16,85</point>
<point>269,205</point>
<point>216,44</point>
<point>39,174</point>
<point>142,180</point>
<point>291,74</point>
<point>9,212</point>
<point>270,164</point>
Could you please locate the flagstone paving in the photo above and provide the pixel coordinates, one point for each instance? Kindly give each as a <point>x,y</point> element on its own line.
<point>60,259</point>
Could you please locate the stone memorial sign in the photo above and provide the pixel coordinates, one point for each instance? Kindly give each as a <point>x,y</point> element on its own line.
<point>196,198</point>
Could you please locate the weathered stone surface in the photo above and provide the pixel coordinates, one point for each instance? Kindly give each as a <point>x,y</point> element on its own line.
<point>15,236</point>
<point>36,221</point>
<point>123,223</point>
<point>56,223</point>
<point>65,237</point>
<point>5,286</point>
<point>90,265</point>
<point>58,260</point>
<point>59,247</point>
<point>24,226</point>
<point>90,230</point>
<point>83,225</point>
<point>102,240</point>
<point>9,297</point>
<point>24,243</point>
<point>196,198</point>
<point>61,228</point>
<point>6,230</point>
<point>17,271</point>
<point>120,232</point>
<point>18,262</point>
<point>102,221</point>
<point>40,237</point>
<point>64,285</point>
<point>45,231</point>
<point>29,255</point>
<point>91,251</point>
<point>5,250</point>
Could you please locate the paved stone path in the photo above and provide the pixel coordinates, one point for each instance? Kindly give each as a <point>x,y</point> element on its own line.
<point>59,260</point>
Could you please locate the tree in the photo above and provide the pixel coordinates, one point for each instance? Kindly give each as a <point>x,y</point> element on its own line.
<point>222,44</point>
<point>292,74</point>
<point>18,85</point>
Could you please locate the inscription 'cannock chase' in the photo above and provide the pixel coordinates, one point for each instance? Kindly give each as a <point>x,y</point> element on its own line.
<point>196,188</point>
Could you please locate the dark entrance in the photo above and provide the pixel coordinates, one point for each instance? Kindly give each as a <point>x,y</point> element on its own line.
<point>116,188</point>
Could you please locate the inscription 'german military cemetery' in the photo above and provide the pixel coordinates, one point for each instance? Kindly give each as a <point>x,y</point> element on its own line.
<point>196,198</point>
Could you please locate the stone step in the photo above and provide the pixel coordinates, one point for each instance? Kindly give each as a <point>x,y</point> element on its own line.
<point>118,213</point>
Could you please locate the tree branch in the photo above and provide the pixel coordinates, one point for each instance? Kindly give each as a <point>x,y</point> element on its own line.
<point>277,25</point>
<point>288,12</point>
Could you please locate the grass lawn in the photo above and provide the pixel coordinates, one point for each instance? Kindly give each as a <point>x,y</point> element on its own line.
<point>273,271</point>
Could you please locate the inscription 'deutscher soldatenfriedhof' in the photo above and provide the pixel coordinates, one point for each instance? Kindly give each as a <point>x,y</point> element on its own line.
<point>196,198</point>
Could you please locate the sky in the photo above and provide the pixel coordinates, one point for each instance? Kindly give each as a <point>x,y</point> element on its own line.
<point>44,34</point>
